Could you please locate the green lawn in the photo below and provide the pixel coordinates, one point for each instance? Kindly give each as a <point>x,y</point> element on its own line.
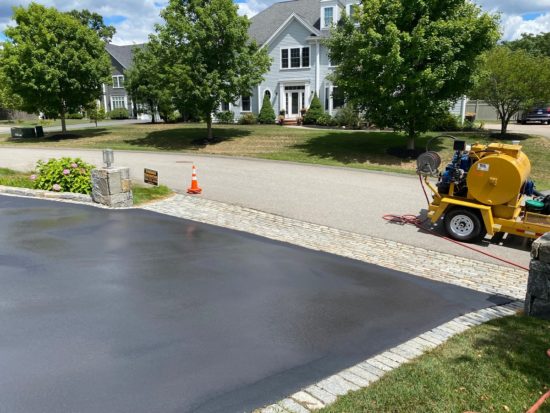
<point>500,366</point>
<point>361,149</point>
<point>142,194</point>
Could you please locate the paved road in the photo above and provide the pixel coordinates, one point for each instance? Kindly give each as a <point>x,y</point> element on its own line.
<point>132,311</point>
<point>343,198</point>
<point>7,129</point>
<point>530,129</point>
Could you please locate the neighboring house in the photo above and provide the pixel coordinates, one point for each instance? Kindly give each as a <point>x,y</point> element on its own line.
<point>115,96</point>
<point>292,31</point>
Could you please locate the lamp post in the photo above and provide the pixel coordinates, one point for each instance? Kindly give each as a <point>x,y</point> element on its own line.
<point>108,157</point>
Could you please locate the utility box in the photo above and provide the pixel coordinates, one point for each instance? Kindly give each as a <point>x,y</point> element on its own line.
<point>23,133</point>
<point>39,131</point>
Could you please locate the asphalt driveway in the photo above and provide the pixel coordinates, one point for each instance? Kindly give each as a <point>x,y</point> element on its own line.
<point>131,311</point>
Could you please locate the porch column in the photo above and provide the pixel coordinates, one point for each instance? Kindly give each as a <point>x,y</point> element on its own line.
<point>282,98</point>
<point>259,100</point>
<point>307,96</point>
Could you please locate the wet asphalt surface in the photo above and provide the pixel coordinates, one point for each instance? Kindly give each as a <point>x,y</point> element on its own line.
<point>131,311</point>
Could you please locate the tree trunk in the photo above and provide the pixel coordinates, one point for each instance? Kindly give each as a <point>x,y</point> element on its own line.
<point>209,131</point>
<point>63,123</point>
<point>411,136</point>
<point>504,125</point>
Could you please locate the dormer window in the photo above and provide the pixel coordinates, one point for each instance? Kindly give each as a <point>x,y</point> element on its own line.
<point>328,16</point>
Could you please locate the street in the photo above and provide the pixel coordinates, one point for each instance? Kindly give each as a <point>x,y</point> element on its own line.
<point>349,199</point>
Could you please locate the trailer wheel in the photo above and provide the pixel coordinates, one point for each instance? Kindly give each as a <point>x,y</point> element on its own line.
<point>464,225</point>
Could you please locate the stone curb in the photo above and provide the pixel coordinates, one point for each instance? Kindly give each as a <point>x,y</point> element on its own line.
<point>468,273</point>
<point>361,375</point>
<point>39,193</point>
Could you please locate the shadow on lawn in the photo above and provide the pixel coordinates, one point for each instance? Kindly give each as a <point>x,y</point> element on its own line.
<point>361,147</point>
<point>58,136</point>
<point>186,138</point>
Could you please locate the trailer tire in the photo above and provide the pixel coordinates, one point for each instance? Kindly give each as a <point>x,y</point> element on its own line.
<point>463,224</point>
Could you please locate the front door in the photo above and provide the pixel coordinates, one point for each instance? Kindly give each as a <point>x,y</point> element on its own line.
<point>293,104</point>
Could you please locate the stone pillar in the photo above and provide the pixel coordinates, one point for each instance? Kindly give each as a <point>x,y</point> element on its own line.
<point>537,301</point>
<point>112,187</point>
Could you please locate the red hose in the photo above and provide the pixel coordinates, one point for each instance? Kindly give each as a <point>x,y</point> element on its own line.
<point>418,222</point>
<point>539,402</point>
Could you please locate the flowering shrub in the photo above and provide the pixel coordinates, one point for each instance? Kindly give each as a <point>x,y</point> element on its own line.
<point>63,175</point>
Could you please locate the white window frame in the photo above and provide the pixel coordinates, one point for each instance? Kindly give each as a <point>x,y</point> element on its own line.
<point>249,103</point>
<point>323,25</point>
<point>116,81</point>
<point>120,99</point>
<point>288,49</point>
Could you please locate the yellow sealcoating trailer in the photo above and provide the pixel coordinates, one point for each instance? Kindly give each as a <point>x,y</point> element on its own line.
<point>484,190</point>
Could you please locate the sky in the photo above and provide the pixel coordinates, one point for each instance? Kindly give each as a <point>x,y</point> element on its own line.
<point>135,19</point>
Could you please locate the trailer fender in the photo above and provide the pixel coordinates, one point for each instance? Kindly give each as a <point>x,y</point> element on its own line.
<point>486,212</point>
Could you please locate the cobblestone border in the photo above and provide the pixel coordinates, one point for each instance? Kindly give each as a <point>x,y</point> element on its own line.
<point>39,193</point>
<point>481,276</point>
<point>326,391</point>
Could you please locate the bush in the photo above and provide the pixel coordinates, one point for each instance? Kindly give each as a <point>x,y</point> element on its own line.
<point>74,116</point>
<point>248,119</point>
<point>348,117</point>
<point>267,114</point>
<point>315,110</point>
<point>226,117</point>
<point>446,123</point>
<point>63,175</point>
<point>119,114</point>
<point>326,120</point>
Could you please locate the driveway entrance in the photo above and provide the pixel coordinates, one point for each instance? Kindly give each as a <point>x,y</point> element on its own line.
<point>132,311</point>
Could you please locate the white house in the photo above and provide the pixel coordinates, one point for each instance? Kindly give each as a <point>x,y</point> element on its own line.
<point>292,31</point>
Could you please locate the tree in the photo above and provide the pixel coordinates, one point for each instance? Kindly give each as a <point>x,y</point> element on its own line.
<point>536,44</point>
<point>209,57</point>
<point>267,114</point>
<point>406,61</point>
<point>146,81</point>
<point>511,81</point>
<point>314,112</point>
<point>95,113</point>
<point>52,62</point>
<point>95,22</point>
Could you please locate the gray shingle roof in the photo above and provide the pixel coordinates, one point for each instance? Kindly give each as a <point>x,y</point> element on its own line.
<point>123,54</point>
<point>265,23</point>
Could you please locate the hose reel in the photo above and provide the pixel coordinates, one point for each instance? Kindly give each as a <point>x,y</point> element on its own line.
<point>427,164</point>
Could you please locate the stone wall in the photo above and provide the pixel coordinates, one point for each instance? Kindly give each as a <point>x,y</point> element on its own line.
<point>537,300</point>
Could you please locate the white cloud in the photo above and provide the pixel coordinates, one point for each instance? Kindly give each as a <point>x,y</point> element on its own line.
<point>526,16</point>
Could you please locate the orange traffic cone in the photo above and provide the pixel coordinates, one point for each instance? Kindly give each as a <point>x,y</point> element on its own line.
<point>194,189</point>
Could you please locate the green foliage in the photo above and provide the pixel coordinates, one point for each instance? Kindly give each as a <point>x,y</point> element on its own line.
<point>120,113</point>
<point>407,60</point>
<point>314,112</point>
<point>52,62</point>
<point>76,115</point>
<point>248,119</point>
<point>446,122</point>
<point>511,81</point>
<point>9,177</point>
<point>348,117</point>
<point>147,82</point>
<point>326,120</point>
<point>143,194</point>
<point>208,55</point>
<point>267,114</point>
<point>63,175</point>
<point>226,117</point>
<point>95,22</point>
<point>96,113</point>
<point>536,44</point>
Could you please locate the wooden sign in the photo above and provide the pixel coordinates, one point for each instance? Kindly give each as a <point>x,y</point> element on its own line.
<point>151,176</point>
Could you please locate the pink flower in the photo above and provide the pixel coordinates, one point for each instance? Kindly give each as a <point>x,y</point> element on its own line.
<point>56,187</point>
<point>66,172</point>
<point>33,177</point>
<point>74,165</point>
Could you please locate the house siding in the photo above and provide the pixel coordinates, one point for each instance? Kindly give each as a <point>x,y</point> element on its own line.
<point>110,91</point>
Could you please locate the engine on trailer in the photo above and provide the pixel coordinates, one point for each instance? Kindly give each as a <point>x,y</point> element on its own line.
<point>456,171</point>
